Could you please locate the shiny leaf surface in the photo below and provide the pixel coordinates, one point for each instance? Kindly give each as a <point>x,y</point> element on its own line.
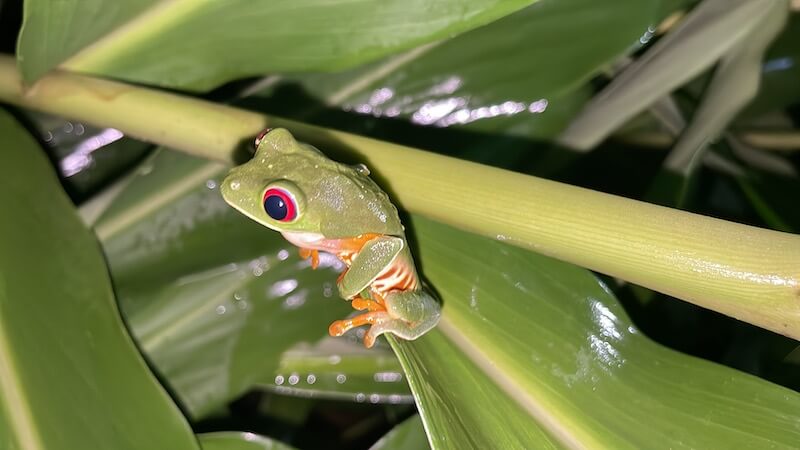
<point>342,369</point>
<point>533,352</point>
<point>522,74</point>
<point>70,377</point>
<point>167,43</point>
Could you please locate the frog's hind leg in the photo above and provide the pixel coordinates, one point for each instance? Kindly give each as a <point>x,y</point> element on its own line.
<point>412,314</point>
<point>373,318</point>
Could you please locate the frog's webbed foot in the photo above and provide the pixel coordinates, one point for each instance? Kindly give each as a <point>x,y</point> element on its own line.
<point>306,253</point>
<point>373,318</point>
<point>407,315</point>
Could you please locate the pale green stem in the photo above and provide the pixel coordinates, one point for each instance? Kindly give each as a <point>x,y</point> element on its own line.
<point>745,272</point>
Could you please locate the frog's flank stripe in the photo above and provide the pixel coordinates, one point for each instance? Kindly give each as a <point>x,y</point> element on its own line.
<point>399,276</point>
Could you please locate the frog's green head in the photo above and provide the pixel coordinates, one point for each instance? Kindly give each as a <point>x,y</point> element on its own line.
<point>271,188</point>
<point>292,187</point>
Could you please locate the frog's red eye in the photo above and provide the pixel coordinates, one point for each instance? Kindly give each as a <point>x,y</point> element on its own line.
<point>261,135</point>
<point>280,205</point>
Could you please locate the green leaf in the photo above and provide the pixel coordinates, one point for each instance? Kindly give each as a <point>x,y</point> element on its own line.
<point>239,441</point>
<point>70,377</point>
<point>409,435</point>
<point>522,74</point>
<point>168,43</point>
<point>341,369</point>
<point>221,304</point>
<point>533,353</point>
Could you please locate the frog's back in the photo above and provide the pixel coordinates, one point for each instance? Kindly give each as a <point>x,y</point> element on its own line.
<point>355,199</point>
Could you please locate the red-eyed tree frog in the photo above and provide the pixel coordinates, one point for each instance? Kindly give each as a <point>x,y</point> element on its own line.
<point>321,205</point>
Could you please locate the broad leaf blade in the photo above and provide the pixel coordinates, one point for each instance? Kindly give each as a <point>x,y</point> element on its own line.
<point>522,75</point>
<point>543,343</point>
<point>71,377</point>
<point>168,43</point>
<point>341,369</point>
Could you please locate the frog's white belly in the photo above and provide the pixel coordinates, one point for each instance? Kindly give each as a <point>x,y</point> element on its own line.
<point>312,241</point>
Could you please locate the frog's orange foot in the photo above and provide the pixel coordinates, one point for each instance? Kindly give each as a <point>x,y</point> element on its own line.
<point>341,327</point>
<point>306,253</point>
<point>361,304</point>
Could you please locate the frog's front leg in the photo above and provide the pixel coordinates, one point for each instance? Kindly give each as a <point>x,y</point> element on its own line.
<point>374,257</point>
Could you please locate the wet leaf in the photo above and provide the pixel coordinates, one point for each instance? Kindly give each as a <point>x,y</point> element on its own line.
<point>70,377</point>
<point>533,352</point>
<point>522,74</point>
<point>342,369</point>
<point>168,43</point>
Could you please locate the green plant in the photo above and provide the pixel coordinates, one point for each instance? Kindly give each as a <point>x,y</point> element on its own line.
<point>532,351</point>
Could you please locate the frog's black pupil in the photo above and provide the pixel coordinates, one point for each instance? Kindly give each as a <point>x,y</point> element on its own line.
<point>276,207</point>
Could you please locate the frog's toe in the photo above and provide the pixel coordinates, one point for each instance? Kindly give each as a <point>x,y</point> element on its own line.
<point>361,304</point>
<point>341,327</point>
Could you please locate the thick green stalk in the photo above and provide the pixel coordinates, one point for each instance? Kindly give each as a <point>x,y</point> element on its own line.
<point>745,272</point>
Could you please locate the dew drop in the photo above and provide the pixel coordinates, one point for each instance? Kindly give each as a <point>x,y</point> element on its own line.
<point>235,185</point>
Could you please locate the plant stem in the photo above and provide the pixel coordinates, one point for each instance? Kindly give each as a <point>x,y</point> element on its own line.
<point>749,273</point>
